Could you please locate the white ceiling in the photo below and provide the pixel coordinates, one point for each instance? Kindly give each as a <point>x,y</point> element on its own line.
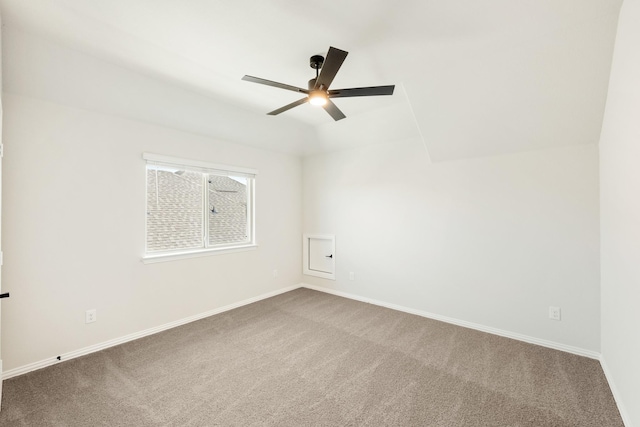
<point>473,78</point>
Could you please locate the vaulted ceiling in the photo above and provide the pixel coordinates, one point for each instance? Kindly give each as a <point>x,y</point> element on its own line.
<point>473,78</point>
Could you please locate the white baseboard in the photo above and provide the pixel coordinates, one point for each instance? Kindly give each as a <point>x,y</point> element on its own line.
<point>616,394</point>
<point>117,341</point>
<point>520,337</point>
<point>101,346</point>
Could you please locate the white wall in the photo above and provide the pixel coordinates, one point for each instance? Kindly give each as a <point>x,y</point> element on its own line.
<point>1,368</point>
<point>75,128</point>
<point>620,213</point>
<point>73,230</point>
<point>494,241</point>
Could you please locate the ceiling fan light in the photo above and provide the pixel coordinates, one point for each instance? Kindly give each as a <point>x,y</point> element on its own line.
<point>318,98</point>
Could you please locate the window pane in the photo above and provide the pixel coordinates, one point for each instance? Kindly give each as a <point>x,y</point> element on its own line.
<point>174,209</point>
<point>227,209</point>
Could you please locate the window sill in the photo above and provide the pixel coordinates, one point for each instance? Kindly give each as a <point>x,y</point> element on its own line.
<point>151,259</point>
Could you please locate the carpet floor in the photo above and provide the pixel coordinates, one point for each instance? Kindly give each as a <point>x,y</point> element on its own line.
<point>306,358</point>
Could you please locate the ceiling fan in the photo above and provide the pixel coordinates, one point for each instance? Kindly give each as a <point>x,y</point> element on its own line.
<point>319,92</point>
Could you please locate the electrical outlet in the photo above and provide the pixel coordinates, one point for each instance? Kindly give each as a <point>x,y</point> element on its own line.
<point>91,316</point>
<point>275,273</point>
<point>554,313</point>
<point>352,275</point>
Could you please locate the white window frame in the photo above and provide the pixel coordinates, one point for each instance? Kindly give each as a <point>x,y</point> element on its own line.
<point>205,168</point>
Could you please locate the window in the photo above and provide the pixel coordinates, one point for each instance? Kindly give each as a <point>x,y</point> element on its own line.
<point>196,208</point>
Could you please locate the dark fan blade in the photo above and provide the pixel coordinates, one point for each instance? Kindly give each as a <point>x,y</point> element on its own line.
<point>332,63</point>
<point>362,91</point>
<point>288,107</point>
<point>274,84</point>
<point>333,110</point>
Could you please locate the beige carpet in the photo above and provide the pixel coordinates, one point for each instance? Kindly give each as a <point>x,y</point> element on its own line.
<point>306,358</point>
